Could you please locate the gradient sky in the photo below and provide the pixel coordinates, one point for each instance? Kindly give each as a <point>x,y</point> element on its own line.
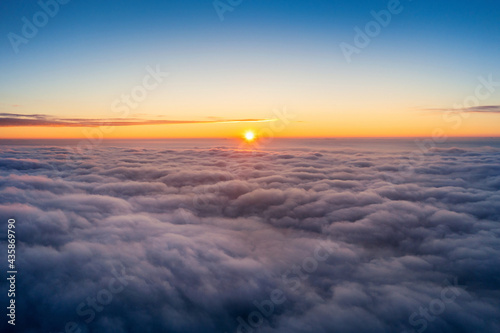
<point>265,55</point>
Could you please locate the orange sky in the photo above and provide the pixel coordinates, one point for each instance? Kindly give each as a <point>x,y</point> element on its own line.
<point>294,124</point>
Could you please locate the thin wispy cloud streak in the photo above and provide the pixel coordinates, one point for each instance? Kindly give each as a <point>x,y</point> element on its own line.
<point>40,120</point>
<point>475,109</point>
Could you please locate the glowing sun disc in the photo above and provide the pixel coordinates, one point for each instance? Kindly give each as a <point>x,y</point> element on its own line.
<point>249,136</point>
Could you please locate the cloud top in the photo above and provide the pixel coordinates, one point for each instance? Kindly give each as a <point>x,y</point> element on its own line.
<point>204,235</point>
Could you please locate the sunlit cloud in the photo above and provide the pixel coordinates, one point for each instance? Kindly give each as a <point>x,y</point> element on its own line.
<point>474,109</point>
<point>205,234</point>
<point>42,120</point>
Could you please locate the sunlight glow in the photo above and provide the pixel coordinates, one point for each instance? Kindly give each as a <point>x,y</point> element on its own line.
<point>249,136</point>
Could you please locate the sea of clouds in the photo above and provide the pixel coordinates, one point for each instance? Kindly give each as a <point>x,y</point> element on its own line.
<point>315,239</point>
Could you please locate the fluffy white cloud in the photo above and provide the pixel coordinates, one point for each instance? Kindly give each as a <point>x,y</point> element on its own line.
<point>203,234</point>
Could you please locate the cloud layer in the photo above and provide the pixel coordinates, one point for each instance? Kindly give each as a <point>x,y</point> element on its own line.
<point>204,235</point>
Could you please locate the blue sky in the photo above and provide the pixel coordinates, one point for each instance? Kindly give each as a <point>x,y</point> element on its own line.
<point>430,55</point>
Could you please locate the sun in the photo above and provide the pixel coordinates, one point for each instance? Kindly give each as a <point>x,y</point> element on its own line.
<point>249,136</point>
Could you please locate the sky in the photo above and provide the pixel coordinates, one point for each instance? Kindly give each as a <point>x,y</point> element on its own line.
<point>224,69</point>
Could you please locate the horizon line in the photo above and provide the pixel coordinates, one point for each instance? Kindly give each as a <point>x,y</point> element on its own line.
<point>264,138</point>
